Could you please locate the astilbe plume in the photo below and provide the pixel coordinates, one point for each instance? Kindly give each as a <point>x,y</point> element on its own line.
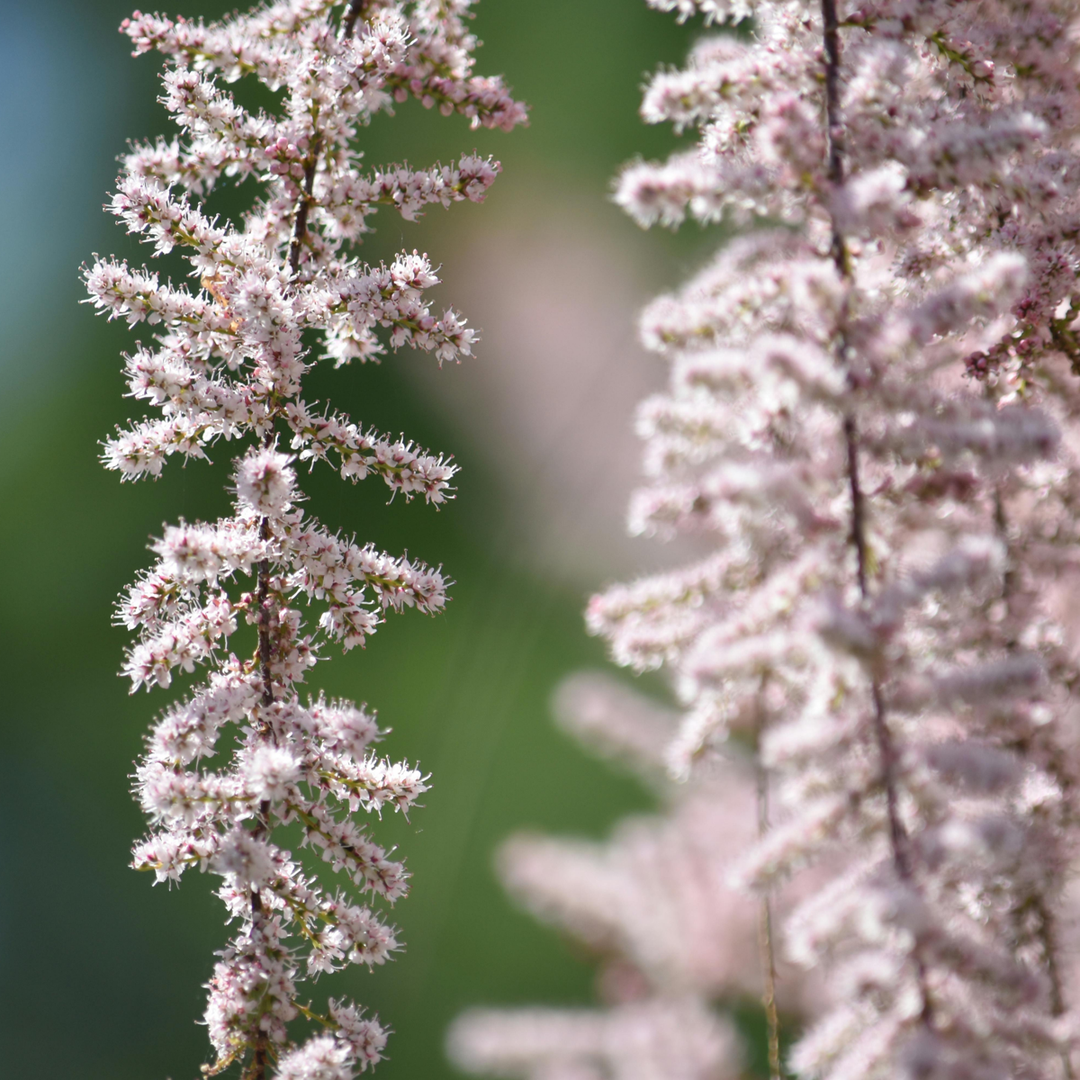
<point>872,424</point>
<point>227,361</point>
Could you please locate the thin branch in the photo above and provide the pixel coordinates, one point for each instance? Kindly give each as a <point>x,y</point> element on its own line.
<point>765,930</point>
<point>1009,580</point>
<point>257,1068</point>
<point>834,129</point>
<point>262,599</point>
<point>303,206</point>
<point>348,23</point>
<point>1046,930</point>
<point>883,736</point>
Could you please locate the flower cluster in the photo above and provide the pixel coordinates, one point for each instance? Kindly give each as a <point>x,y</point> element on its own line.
<point>871,425</point>
<point>227,360</point>
<point>652,904</point>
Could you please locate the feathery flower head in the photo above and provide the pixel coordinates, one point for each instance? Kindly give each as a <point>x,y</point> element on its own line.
<point>227,361</point>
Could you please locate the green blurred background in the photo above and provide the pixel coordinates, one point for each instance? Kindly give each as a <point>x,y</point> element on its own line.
<point>101,975</point>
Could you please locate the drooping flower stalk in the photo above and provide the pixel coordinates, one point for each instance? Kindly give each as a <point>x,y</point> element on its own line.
<point>227,361</point>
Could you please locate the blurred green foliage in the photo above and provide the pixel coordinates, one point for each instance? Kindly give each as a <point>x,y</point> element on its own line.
<point>100,976</point>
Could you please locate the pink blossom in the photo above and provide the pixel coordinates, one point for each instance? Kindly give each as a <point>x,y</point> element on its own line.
<point>870,432</point>
<point>226,360</point>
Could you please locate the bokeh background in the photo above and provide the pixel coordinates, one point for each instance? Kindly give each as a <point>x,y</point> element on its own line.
<point>100,974</point>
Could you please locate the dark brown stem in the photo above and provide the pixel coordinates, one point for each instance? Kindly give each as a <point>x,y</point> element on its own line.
<point>262,598</point>
<point>858,506</point>
<point>765,932</point>
<point>1008,583</point>
<point>303,206</point>
<point>303,201</point>
<point>834,128</point>
<point>1046,930</point>
<point>1048,941</point>
<point>352,13</point>
<point>257,1069</point>
<point>1047,938</point>
<point>260,1052</point>
<point>882,734</point>
<point>888,755</point>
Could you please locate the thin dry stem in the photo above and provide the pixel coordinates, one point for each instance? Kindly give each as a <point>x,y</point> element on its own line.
<point>883,736</point>
<point>765,934</point>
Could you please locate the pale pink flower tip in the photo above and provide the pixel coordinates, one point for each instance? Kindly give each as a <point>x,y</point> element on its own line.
<point>265,482</point>
<point>223,360</point>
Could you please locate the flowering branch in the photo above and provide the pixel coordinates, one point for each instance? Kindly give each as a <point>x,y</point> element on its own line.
<point>934,189</point>
<point>871,419</point>
<point>228,360</point>
<point>650,904</point>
